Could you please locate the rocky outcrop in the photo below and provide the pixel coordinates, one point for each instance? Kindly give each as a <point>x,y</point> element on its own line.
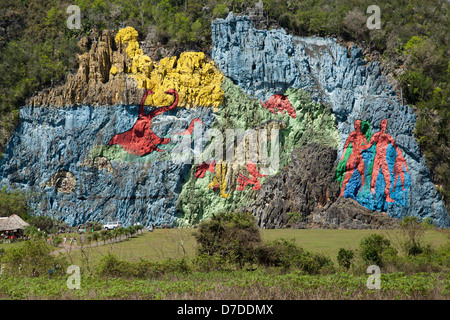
<point>347,213</point>
<point>311,91</point>
<point>93,84</point>
<point>58,156</point>
<point>306,195</point>
<point>312,123</point>
<point>305,185</point>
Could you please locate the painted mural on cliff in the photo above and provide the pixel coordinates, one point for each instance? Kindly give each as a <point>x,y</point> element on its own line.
<point>372,169</point>
<point>119,161</point>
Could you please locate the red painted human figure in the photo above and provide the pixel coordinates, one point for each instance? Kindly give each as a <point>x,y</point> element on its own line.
<point>355,161</point>
<point>243,181</point>
<point>140,139</point>
<point>382,140</point>
<point>398,168</point>
<point>281,103</point>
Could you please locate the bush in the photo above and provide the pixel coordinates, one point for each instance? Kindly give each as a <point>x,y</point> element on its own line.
<point>34,258</point>
<point>413,231</point>
<point>345,258</point>
<point>287,255</point>
<point>215,262</point>
<point>372,248</point>
<point>313,263</point>
<point>233,236</point>
<point>278,253</point>
<point>171,266</point>
<point>111,266</point>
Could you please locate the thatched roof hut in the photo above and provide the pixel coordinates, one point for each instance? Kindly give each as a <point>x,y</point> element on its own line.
<point>11,223</point>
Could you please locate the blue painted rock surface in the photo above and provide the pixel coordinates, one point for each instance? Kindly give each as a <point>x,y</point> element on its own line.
<point>126,188</point>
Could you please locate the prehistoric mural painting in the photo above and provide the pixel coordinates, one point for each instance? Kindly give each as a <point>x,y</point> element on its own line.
<point>63,181</point>
<point>377,159</point>
<point>190,129</point>
<point>243,181</point>
<point>202,168</point>
<point>120,158</point>
<point>140,139</point>
<point>279,102</point>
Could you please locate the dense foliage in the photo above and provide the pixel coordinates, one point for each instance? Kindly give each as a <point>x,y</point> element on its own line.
<point>232,236</point>
<point>32,259</point>
<point>37,49</point>
<point>13,202</point>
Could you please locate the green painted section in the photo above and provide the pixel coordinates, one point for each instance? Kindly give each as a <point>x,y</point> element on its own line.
<point>117,153</point>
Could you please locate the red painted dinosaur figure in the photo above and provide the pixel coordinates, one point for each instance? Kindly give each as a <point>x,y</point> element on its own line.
<point>190,129</point>
<point>140,139</point>
<point>281,103</point>
<point>244,181</point>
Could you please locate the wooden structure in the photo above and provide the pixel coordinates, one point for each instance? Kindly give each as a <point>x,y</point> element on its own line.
<point>12,227</point>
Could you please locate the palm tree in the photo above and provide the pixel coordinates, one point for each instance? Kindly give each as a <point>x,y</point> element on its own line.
<point>95,236</point>
<point>115,234</point>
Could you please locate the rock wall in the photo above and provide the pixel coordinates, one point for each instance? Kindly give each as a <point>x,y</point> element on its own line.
<point>136,140</point>
<point>306,184</point>
<point>58,156</point>
<point>268,62</point>
<point>313,122</point>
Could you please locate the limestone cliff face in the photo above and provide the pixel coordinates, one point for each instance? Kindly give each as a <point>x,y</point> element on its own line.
<point>306,184</point>
<point>93,84</point>
<point>74,150</point>
<point>264,63</point>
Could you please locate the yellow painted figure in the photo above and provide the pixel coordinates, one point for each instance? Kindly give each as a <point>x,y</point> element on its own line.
<point>219,179</point>
<point>196,80</point>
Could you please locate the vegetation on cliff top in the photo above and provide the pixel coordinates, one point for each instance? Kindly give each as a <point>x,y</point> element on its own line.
<point>37,49</point>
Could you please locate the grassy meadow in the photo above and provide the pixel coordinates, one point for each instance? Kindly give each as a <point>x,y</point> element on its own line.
<point>177,243</point>
<point>248,282</point>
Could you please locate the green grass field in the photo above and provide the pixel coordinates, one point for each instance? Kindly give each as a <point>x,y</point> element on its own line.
<point>329,241</point>
<point>238,284</point>
<point>176,243</point>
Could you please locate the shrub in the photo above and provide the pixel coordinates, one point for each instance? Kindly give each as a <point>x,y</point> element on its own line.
<point>172,266</point>
<point>234,236</point>
<point>57,241</point>
<point>278,253</point>
<point>413,231</point>
<point>372,248</point>
<point>33,257</point>
<point>287,255</point>
<point>345,258</point>
<point>313,263</point>
<point>215,262</point>
<point>111,266</point>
